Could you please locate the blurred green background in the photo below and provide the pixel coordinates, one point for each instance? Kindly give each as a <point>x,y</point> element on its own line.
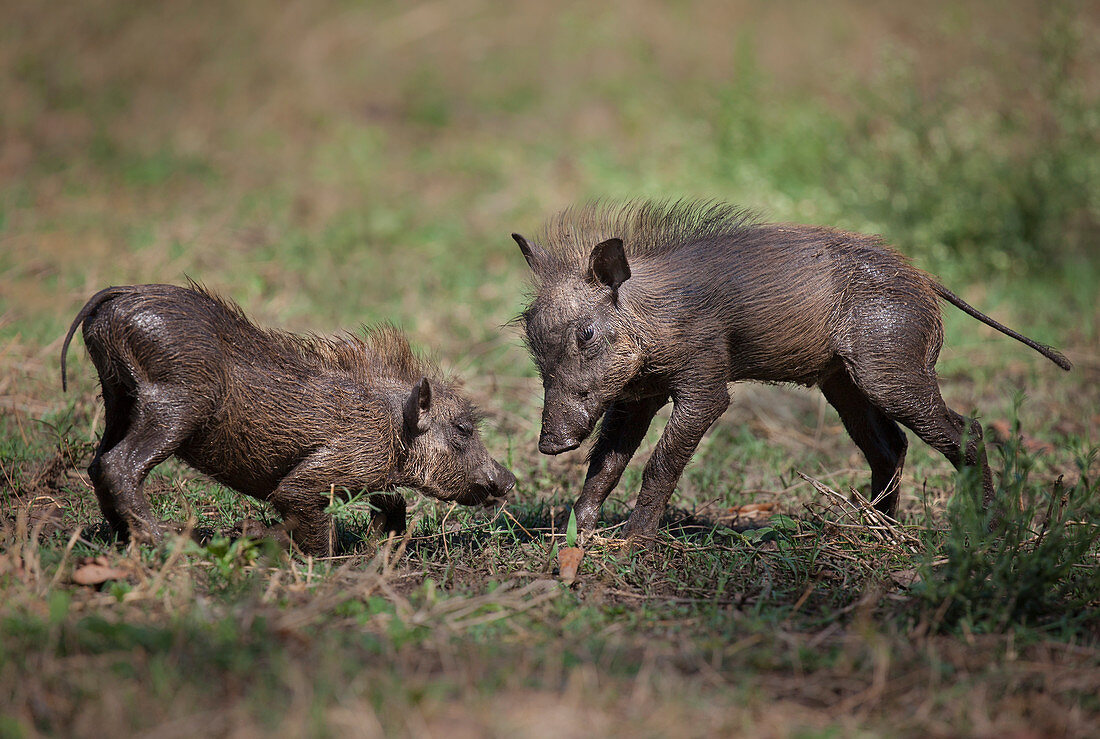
<point>326,163</point>
<point>331,163</point>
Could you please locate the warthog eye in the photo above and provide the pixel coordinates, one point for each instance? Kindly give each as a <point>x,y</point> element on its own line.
<point>584,335</point>
<point>464,428</point>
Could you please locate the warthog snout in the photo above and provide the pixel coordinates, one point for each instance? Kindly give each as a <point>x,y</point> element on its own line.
<point>495,481</point>
<point>565,424</point>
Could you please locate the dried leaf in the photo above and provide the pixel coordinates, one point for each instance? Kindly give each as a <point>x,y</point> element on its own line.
<point>754,508</point>
<point>749,513</point>
<point>95,571</point>
<point>569,559</point>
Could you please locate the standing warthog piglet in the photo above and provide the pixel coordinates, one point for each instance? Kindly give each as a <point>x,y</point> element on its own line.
<point>284,418</point>
<point>638,303</point>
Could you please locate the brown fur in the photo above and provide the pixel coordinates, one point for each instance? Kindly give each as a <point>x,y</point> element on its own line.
<point>640,303</point>
<point>278,416</point>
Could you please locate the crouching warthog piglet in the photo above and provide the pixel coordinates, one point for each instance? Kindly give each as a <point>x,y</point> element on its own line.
<point>640,303</point>
<point>281,417</point>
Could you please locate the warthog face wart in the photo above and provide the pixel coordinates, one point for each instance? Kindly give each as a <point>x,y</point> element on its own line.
<point>573,332</point>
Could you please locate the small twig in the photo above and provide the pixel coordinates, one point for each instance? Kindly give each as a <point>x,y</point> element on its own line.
<point>443,529</point>
<point>508,513</point>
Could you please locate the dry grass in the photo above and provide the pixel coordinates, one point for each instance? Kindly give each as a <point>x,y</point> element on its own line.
<point>367,641</point>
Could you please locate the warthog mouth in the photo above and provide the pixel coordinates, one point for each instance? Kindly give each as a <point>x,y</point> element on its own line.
<point>492,501</point>
<point>489,498</point>
<point>493,494</point>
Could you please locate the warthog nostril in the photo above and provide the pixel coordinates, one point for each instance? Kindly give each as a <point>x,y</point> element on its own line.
<point>548,446</point>
<point>506,482</point>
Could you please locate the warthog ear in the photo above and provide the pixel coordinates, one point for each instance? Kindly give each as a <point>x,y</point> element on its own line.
<point>417,405</point>
<point>534,254</point>
<point>608,264</point>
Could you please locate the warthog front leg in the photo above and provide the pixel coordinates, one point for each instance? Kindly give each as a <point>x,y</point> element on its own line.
<point>693,412</point>
<point>624,426</point>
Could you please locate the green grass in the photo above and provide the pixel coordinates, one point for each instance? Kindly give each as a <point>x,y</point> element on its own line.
<point>329,164</point>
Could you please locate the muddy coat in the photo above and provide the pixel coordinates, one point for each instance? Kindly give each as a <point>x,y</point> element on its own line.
<point>281,417</point>
<point>641,303</point>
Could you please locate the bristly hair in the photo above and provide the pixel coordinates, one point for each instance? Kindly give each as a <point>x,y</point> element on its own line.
<point>647,228</point>
<point>381,351</point>
<point>391,353</point>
